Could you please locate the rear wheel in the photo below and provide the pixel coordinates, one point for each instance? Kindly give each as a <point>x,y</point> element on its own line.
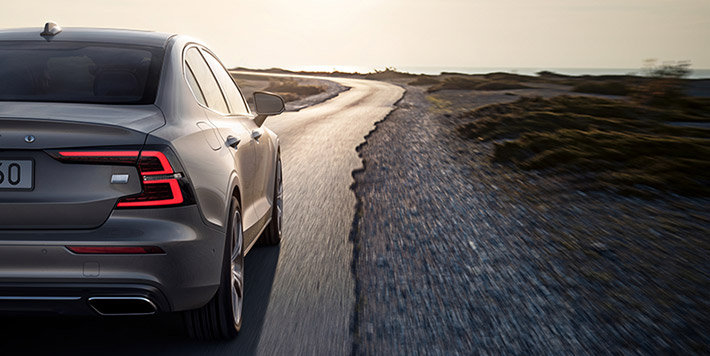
<point>272,234</point>
<point>221,317</point>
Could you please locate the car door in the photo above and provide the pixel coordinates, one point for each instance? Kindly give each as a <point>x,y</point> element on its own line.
<point>258,138</point>
<point>230,127</point>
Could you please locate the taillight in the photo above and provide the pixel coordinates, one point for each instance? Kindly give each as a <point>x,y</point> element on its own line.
<point>161,184</point>
<point>98,157</point>
<point>155,193</point>
<point>154,163</point>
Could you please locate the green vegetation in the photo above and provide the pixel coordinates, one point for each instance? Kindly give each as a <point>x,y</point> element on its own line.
<point>624,145</point>
<point>290,90</point>
<point>472,83</point>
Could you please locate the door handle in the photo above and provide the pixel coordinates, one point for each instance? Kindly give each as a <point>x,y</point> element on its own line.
<point>256,134</point>
<point>233,142</point>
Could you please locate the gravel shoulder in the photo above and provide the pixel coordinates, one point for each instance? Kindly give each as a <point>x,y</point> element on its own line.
<point>455,255</point>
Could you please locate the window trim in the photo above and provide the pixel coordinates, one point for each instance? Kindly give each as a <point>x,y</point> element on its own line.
<point>241,95</point>
<point>202,94</point>
<point>184,77</point>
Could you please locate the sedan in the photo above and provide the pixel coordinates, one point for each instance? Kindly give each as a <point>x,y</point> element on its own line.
<point>134,177</point>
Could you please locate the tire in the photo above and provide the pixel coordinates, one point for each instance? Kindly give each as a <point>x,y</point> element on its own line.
<point>221,317</point>
<point>272,234</point>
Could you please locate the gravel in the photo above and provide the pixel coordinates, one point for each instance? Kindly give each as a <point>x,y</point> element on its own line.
<point>457,256</point>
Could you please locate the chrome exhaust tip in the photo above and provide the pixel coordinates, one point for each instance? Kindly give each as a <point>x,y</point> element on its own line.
<point>122,305</point>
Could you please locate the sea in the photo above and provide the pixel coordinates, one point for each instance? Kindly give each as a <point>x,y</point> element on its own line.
<point>695,73</point>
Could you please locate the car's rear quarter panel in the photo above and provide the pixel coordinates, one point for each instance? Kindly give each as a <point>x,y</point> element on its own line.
<point>211,172</point>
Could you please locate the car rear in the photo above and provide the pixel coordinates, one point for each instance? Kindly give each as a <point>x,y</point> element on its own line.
<point>92,220</point>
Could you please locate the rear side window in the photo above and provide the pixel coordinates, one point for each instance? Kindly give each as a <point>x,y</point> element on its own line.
<point>234,97</point>
<point>206,81</point>
<point>192,81</point>
<point>79,72</point>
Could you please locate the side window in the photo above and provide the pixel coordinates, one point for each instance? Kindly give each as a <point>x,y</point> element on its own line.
<point>192,82</point>
<point>231,91</point>
<point>205,79</point>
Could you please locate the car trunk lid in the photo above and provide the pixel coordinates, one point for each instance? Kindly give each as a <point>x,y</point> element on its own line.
<point>60,195</point>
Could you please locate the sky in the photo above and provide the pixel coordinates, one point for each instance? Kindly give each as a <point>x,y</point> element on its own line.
<point>406,33</point>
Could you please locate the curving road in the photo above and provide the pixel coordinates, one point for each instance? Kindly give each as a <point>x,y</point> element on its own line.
<point>300,295</point>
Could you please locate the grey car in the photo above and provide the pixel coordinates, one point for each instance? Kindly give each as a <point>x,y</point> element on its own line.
<point>134,177</point>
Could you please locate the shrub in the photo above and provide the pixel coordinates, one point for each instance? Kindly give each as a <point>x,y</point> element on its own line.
<point>466,83</point>
<point>291,90</point>
<point>604,88</point>
<point>500,85</point>
<point>388,73</point>
<point>424,80</point>
<point>665,87</point>
<point>622,144</point>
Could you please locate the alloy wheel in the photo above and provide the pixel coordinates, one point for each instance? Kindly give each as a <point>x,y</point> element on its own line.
<point>237,268</point>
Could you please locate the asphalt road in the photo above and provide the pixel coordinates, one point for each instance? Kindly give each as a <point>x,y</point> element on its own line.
<point>299,296</point>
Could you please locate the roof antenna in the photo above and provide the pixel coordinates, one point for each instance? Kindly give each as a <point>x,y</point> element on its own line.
<point>51,29</point>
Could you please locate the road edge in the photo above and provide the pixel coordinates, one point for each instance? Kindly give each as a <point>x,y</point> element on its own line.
<point>354,229</point>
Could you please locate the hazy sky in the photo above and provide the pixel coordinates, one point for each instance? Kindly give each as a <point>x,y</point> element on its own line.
<point>400,33</point>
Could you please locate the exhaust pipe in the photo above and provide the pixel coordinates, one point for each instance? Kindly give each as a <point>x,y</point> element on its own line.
<point>122,305</point>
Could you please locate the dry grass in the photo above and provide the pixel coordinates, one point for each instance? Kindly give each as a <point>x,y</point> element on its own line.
<point>291,90</point>
<point>626,146</point>
<point>424,80</point>
<point>604,88</point>
<point>475,83</point>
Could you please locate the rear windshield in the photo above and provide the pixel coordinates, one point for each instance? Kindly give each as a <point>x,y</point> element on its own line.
<point>79,72</point>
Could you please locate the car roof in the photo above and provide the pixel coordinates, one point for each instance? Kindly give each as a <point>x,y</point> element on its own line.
<point>101,35</point>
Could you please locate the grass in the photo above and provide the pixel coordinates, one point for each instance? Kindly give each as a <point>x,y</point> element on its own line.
<point>456,83</point>
<point>474,83</point>
<point>604,88</point>
<point>501,85</point>
<point>424,80</point>
<point>624,146</point>
<point>291,90</point>
<point>695,109</point>
<point>439,105</point>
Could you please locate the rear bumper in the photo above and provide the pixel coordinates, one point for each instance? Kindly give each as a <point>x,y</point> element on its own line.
<point>70,298</point>
<point>38,272</point>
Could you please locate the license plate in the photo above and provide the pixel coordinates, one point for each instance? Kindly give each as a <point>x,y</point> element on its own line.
<point>16,174</point>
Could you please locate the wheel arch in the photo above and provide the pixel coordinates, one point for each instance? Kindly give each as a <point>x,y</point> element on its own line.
<point>236,193</point>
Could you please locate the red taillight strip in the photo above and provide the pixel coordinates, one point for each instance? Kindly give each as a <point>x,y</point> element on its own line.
<point>133,154</point>
<point>96,157</point>
<point>174,188</point>
<point>115,249</point>
<point>147,166</point>
<point>167,168</point>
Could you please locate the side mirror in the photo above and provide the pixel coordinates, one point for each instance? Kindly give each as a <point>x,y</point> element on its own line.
<point>267,104</point>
